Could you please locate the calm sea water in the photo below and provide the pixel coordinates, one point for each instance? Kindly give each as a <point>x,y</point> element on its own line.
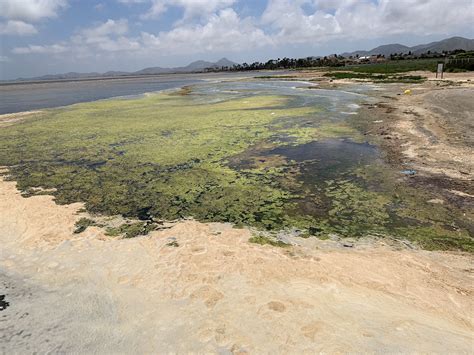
<point>33,96</point>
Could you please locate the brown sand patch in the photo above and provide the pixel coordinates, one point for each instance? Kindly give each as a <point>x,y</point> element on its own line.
<point>10,118</point>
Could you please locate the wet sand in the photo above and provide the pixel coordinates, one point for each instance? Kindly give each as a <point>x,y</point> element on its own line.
<point>432,128</point>
<point>215,292</point>
<point>430,132</point>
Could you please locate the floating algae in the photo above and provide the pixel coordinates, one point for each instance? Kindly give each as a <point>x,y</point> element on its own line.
<point>271,161</point>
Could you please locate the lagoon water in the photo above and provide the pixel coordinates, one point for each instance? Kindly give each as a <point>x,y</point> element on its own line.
<point>332,105</point>
<point>26,96</point>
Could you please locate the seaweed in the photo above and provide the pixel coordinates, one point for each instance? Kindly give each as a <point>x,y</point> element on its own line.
<point>82,224</point>
<point>131,230</point>
<point>262,240</point>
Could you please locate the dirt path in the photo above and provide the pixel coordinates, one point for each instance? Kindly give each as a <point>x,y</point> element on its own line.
<point>215,292</point>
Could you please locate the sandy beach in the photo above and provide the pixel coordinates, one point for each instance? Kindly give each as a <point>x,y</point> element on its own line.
<point>215,292</point>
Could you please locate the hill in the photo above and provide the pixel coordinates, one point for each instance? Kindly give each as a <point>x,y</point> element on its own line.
<point>196,66</point>
<point>448,44</point>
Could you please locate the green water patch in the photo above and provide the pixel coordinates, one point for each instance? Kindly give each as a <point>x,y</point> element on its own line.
<point>328,158</point>
<point>259,161</point>
<point>343,187</point>
<point>326,195</point>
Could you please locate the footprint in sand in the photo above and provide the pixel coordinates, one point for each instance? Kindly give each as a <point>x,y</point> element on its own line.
<point>228,253</point>
<point>310,330</point>
<point>208,294</point>
<point>276,306</point>
<point>197,250</point>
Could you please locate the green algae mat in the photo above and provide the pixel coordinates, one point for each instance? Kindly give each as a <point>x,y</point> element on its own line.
<point>265,159</point>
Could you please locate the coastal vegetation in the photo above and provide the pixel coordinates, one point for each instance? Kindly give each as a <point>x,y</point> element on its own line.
<point>395,66</point>
<point>262,240</point>
<point>386,78</point>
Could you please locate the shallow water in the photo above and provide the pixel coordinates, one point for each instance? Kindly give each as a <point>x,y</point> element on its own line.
<point>332,100</point>
<point>27,96</point>
<point>328,158</point>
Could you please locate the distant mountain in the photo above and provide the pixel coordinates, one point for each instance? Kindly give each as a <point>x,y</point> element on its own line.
<point>224,62</point>
<point>70,75</point>
<point>115,73</point>
<point>448,44</point>
<point>151,71</point>
<point>196,66</point>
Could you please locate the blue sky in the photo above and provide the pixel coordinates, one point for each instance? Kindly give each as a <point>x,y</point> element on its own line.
<point>53,36</point>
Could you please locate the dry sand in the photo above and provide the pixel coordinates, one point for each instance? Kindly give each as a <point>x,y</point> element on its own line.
<point>217,293</point>
<point>11,118</point>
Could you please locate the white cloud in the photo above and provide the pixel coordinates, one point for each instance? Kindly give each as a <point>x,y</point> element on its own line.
<point>118,44</point>
<point>20,28</point>
<point>192,8</point>
<point>99,7</point>
<point>30,10</point>
<point>4,59</point>
<point>49,49</point>
<point>110,27</point>
<point>293,25</point>
<point>329,19</point>
<point>108,36</point>
<point>224,31</point>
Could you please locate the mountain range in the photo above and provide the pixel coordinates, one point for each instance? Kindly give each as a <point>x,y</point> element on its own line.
<point>448,44</point>
<point>196,66</point>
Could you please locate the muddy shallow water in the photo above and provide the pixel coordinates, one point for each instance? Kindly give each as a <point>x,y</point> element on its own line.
<point>329,158</point>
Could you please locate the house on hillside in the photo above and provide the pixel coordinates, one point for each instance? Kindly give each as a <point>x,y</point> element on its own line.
<point>371,59</point>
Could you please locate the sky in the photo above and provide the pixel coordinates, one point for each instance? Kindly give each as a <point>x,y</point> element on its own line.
<point>40,37</point>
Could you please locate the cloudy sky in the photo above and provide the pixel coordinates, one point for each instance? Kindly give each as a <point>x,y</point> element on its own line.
<point>53,36</point>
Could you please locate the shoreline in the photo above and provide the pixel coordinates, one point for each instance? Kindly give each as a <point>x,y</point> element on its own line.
<point>427,132</point>
<point>124,77</point>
